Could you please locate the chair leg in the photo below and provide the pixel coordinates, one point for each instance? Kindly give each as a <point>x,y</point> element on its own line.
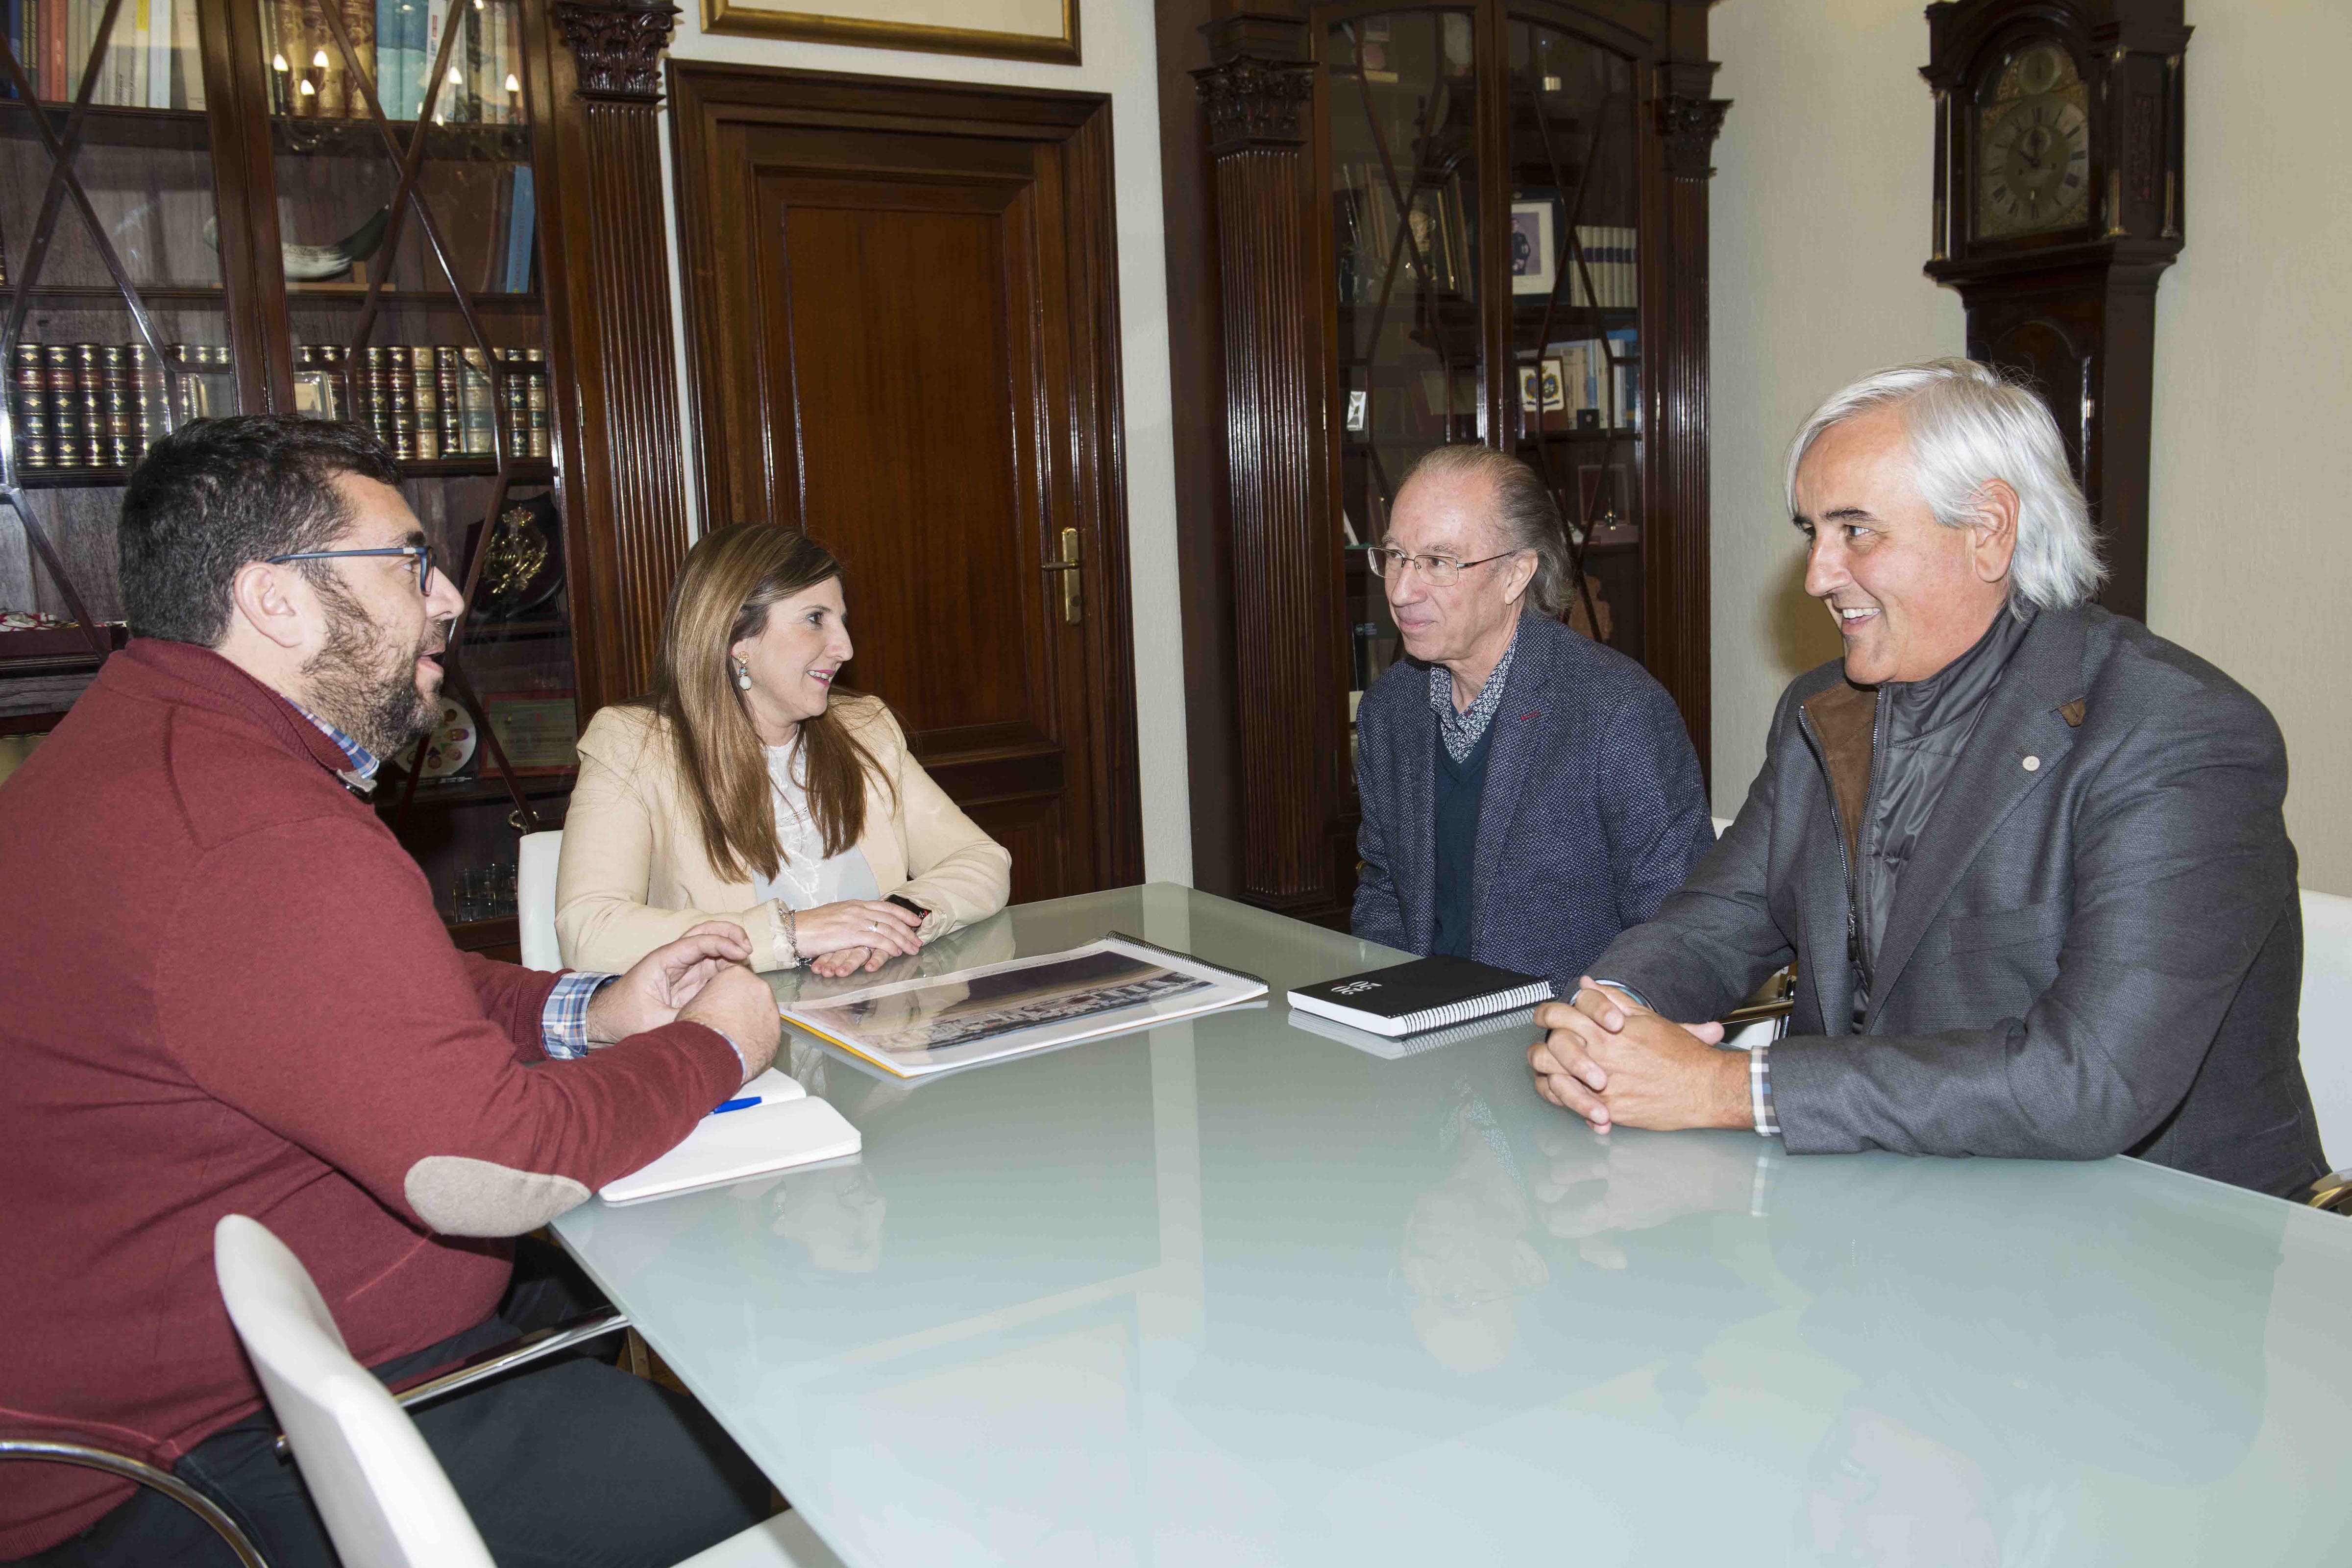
<point>636,1358</point>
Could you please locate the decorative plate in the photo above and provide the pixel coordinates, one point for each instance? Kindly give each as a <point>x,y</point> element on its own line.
<point>450,746</point>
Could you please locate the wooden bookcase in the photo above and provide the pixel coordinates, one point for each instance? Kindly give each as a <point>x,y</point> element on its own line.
<point>1426,224</point>
<point>166,221</point>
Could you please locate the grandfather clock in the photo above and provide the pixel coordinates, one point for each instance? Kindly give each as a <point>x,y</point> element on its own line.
<point>2058,205</point>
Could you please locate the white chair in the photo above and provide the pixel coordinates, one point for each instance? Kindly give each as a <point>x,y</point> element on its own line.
<point>535,899</point>
<point>385,1499</point>
<point>2326,1018</point>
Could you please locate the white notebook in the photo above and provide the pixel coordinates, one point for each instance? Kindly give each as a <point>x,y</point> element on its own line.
<point>786,1129</point>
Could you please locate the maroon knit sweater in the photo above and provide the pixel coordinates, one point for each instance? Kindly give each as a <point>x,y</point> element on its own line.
<point>225,990</point>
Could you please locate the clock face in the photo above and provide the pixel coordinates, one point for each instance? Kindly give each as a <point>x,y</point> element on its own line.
<point>2034,146</point>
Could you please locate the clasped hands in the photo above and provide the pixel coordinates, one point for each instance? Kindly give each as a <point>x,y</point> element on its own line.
<point>700,978</point>
<point>1617,1063</point>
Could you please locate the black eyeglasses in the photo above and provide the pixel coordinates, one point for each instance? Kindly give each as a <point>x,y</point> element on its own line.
<point>424,554</point>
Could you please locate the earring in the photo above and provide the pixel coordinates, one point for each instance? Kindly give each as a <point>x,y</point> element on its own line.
<point>742,676</point>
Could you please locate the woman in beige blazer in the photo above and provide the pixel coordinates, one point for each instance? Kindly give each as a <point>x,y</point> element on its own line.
<point>746,789</point>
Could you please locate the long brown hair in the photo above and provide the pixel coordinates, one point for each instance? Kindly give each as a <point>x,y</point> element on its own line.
<point>731,578</point>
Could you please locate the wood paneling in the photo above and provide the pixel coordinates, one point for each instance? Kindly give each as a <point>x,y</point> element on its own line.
<point>1196,371</point>
<point>614,417</point>
<point>905,341</point>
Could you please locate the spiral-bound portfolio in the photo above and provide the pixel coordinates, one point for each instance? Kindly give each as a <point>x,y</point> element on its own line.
<point>1426,994</point>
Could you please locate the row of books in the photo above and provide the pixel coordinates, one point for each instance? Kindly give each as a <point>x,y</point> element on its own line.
<point>394,42</point>
<point>98,405</point>
<point>1608,268</point>
<point>1594,383</point>
<point>150,62</point>
<point>428,403</point>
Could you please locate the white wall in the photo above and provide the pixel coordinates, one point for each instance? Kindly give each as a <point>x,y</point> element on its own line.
<point>1114,37</point>
<point>1820,225</point>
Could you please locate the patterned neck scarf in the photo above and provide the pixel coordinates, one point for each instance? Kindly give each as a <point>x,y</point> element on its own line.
<point>1461,731</point>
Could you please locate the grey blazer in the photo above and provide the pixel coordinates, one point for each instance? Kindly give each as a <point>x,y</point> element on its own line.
<point>1593,811</point>
<point>2095,949</point>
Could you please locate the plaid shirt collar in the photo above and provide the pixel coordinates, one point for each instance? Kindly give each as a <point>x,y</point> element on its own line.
<point>1461,731</point>
<point>361,774</point>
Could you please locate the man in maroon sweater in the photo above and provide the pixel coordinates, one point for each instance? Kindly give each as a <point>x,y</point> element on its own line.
<point>228,990</point>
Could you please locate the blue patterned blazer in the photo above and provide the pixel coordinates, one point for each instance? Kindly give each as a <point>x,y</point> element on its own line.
<point>1593,811</point>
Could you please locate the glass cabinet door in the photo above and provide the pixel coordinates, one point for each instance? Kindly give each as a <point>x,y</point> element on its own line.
<point>116,325</point>
<point>401,139</point>
<point>1402,97</point>
<point>1575,311</point>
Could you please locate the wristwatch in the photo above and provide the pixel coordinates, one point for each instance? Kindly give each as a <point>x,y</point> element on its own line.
<point>908,905</point>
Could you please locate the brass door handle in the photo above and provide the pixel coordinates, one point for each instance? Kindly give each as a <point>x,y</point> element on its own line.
<point>1073,600</point>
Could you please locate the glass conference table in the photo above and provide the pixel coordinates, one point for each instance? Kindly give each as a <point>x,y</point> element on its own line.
<point>1233,1292</point>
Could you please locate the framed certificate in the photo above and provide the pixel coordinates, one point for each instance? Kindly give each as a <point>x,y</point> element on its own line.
<point>538,731</point>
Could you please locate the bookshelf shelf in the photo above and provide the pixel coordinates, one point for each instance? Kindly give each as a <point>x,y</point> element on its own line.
<point>304,136</point>
<point>467,792</point>
<point>302,295</point>
<point>117,125</point>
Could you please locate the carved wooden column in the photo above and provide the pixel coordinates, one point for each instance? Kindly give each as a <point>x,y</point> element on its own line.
<point>1683,123</point>
<point>607,284</point>
<point>1284,547</point>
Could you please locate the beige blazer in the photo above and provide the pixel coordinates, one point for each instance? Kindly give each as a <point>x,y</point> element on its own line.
<point>633,875</point>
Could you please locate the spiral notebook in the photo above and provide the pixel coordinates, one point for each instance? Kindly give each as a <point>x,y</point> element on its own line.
<point>1426,994</point>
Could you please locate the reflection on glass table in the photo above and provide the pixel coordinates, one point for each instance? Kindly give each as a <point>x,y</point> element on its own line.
<point>1228,1290</point>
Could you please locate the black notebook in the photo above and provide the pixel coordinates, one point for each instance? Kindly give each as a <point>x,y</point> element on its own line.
<point>1427,994</point>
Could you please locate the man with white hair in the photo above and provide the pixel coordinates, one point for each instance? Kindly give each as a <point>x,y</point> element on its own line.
<point>2029,856</point>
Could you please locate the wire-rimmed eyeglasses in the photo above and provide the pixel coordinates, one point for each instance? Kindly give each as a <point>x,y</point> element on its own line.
<point>1437,570</point>
<point>424,554</point>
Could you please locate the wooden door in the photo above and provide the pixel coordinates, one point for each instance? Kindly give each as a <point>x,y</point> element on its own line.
<point>905,323</point>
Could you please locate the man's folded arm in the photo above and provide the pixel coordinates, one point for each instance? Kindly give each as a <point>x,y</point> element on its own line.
<point>337,1014</point>
<point>1713,941</point>
<point>2182,873</point>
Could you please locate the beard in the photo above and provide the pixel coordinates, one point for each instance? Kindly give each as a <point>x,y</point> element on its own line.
<point>364,683</point>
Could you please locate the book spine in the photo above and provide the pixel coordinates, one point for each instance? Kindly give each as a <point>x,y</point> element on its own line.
<point>446,398</point>
<point>401,384</point>
<point>65,408</point>
<point>159,54</point>
<point>522,228</point>
<point>54,78</point>
<point>535,390</point>
<point>515,396</point>
<point>29,394</point>
<point>337,362</point>
<point>475,20</point>
<point>426,396</point>
<point>359,21</point>
<point>146,399</point>
<point>476,405</point>
<point>89,397</point>
<point>373,391</point>
<point>115,401</point>
<point>431,88</point>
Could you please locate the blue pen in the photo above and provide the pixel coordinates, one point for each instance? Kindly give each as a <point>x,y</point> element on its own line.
<point>743,1104</point>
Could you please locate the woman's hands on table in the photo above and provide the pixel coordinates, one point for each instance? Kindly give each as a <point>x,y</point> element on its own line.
<point>872,929</point>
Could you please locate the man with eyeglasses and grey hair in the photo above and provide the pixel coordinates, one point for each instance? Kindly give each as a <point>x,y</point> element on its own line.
<point>1527,793</point>
<point>2029,856</point>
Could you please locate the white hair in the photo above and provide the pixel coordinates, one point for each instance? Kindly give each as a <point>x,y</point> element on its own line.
<point>1967,423</point>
